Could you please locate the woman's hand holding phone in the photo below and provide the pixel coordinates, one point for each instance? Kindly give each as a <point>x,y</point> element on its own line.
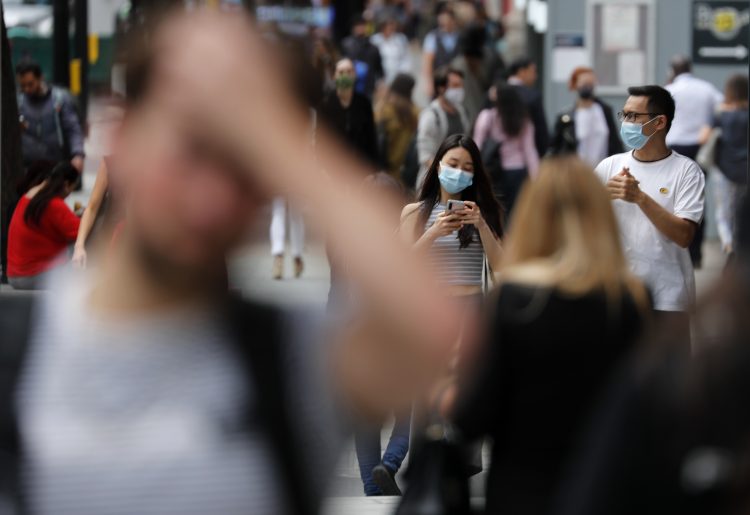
<point>446,223</point>
<point>471,215</point>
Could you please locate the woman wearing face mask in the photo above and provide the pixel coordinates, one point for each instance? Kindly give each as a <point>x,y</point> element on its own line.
<point>588,127</point>
<point>456,241</point>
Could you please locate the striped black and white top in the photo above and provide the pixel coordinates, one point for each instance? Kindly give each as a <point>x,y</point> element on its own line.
<point>147,415</point>
<point>456,266</point>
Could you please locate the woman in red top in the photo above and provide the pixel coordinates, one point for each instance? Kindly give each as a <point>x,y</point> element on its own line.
<point>41,228</point>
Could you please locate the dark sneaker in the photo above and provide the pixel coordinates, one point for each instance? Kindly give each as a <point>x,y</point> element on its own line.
<point>385,478</point>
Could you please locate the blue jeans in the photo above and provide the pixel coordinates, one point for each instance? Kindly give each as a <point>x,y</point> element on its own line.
<point>367,444</point>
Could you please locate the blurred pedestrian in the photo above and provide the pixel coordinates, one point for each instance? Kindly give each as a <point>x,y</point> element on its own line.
<point>523,75</point>
<point>324,59</point>
<point>671,431</point>
<point>696,101</point>
<point>365,56</point>
<point>397,118</point>
<point>378,468</point>
<point>658,198</point>
<point>281,212</point>
<point>533,384</point>
<point>478,64</point>
<point>104,211</point>
<point>51,130</point>
<point>98,205</point>
<point>440,46</point>
<point>588,128</point>
<point>444,117</point>
<point>350,114</point>
<point>162,381</point>
<point>730,156</point>
<point>41,229</point>
<point>395,52</point>
<point>509,125</point>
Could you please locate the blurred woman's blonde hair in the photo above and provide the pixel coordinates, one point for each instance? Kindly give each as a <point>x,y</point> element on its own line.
<point>564,235</point>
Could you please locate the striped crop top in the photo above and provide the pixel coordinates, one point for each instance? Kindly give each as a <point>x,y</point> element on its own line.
<point>456,266</point>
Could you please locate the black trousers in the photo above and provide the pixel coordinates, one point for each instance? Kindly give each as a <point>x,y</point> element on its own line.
<point>676,324</point>
<point>696,252</point>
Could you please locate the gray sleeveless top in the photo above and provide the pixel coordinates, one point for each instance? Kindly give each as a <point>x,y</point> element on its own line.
<point>456,266</point>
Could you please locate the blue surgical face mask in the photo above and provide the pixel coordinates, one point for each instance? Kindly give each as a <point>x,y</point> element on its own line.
<point>454,180</point>
<point>632,134</point>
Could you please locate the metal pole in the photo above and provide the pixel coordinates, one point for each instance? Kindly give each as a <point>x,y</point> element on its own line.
<point>60,43</point>
<point>81,52</point>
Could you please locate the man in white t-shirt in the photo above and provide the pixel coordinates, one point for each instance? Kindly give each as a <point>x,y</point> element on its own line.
<point>658,200</point>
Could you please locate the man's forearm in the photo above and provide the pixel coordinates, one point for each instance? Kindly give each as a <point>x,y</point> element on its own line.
<point>673,227</point>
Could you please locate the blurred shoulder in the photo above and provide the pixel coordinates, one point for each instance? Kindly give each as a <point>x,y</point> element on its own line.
<point>409,210</point>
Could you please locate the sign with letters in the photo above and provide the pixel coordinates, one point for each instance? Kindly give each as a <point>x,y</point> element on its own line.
<point>720,32</point>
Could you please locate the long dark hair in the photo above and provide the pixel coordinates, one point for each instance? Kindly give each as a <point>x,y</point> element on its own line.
<point>480,190</point>
<point>511,109</point>
<point>61,175</point>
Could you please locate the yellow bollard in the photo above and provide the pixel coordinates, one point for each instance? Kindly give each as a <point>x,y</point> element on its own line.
<point>75,76</point>
<point>93,48</point>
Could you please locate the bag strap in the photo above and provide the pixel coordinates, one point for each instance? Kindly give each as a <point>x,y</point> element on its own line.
<point>437,118</point>
<point>259,338</point>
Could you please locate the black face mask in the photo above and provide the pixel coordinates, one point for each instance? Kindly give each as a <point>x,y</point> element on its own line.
<point>586,92</point>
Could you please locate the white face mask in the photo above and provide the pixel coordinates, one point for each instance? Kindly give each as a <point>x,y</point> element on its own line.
<point>455,96</point>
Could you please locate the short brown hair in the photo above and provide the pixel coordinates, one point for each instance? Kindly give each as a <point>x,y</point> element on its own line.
<point>577,73</point>
<point>735,89</point>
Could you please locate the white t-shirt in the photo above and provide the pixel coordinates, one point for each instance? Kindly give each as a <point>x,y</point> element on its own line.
<point>695,103</point>
<point>592,133</point>
<point>677,184</point>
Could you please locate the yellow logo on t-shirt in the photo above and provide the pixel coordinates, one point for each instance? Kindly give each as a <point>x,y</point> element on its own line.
<point>663,191</point>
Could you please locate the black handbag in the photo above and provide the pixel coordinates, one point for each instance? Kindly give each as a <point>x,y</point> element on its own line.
<point>438,480</point>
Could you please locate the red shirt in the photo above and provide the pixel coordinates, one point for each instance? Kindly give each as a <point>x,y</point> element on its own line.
<point>35,249</point>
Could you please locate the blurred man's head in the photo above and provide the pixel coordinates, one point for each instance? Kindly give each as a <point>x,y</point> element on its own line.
<point>389,27</point>
<point>446,17</point>
<point>525,70</point>
<point>447,79</point>
<point>359,26</point>
<point>680,64</point>
<point>344,75</point>
<point>30,80</point>
<point>187,203</point>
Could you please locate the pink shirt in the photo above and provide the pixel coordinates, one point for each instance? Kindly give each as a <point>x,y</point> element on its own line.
<point>515,153</point>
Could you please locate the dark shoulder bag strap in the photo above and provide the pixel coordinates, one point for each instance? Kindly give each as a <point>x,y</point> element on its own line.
<point>15,327</point>
<point>259,336</point>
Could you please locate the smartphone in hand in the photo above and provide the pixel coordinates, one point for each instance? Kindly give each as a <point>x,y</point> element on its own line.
<point>455,205</point>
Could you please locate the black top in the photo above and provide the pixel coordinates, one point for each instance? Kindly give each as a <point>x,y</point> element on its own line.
<point>672,436</point>
<point>355,124</point>
<point>532,99</point>
<point>564,139</point>
<point>731,148</point>
<point>546,361</point>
